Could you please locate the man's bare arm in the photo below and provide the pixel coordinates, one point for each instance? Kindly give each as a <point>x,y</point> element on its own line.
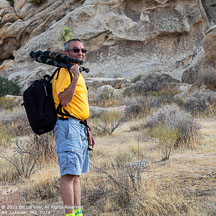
<point>66,96</point>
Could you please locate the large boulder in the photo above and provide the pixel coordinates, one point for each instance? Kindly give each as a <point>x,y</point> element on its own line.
<point>25,9</point>
<point>95,111</point>
<point>200,100</point>
<point>149,82</point>
<point>95,82</point>
<point>200,72</point>
<point>209,6</point>
<point>192,73</point>
<point>7,13</point>
<point>7,17</point>
<point>209,44</point>
<point>106,95</point>
<point>31,21</point>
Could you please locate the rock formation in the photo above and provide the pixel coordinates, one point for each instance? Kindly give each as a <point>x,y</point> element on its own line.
<point>209,6</point>
<point>209,44</point>
<point>124,38</point>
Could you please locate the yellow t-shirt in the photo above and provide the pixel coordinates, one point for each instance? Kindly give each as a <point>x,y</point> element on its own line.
<point>78,106</point>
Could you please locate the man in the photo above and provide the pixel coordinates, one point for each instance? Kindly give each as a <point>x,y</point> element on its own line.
<point>71,134</point>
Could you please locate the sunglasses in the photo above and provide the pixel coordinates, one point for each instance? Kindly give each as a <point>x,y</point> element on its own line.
<point>76,50</point>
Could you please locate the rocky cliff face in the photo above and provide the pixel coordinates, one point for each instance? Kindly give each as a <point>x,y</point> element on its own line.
<point>210,8</point>
<point>124,38</point>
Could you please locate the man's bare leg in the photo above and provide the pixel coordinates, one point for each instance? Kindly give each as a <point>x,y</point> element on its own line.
<point>67,192</point>
<point>77,191</point>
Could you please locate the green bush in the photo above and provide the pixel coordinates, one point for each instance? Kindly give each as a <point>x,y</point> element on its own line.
<point>39,2</point>
<point>167,137</point>
<point>136,78</point>
<point>11,2</point>
<point>8,87</point>
<point>201,102</point>
<point>66,34</point>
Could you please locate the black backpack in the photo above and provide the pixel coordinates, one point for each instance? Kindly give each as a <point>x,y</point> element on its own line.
<point>39,104</point>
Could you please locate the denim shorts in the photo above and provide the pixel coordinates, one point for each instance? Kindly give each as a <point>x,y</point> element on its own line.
<point>71,146</point>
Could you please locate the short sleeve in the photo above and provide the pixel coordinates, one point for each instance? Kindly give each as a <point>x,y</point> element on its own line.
<point>63,80</point>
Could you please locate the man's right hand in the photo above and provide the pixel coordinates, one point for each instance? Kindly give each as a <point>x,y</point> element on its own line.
<point>75,71</point>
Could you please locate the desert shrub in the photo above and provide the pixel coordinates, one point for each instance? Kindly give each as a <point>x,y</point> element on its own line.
<point>7,103</point>
<point>201,102</point>
<point>23,162</point>
<point>121,180</point>
<point>167,137</point>
<point>44,146</point>
<point>121,190</point>
<point>135,128</point>
<point>107,122</point>
<point>104,97</point>
<point>136,107</point>
<point>8,87</point>
<point>136,78</point>
<point>28,154</point>
<point>141,106</point>
<point>170,116</point>
<point>168,91</point>
<point>66,34</point>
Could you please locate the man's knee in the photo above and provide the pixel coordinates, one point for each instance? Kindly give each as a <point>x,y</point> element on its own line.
<point>69,177</point>
<point>76,179</point>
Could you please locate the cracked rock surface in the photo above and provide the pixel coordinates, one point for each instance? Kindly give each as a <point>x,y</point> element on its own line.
<point>124,38</point>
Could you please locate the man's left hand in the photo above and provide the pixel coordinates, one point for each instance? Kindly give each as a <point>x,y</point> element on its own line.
<point>91,139</point>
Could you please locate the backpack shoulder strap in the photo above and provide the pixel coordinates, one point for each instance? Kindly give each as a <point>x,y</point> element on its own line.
<point>58,71</point>
<point>53,74</point>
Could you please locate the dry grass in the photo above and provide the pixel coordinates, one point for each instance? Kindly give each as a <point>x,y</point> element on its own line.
<point>8,172</point>
<point>46,189</point>
<point>183,185</point>
<point>172,181</point>
<point>5,137</point>
<point>180,186</point>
